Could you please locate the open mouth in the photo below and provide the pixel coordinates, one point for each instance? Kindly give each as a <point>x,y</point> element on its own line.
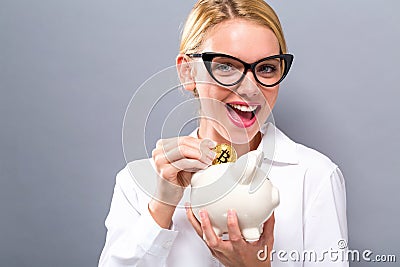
<point>241,114</point>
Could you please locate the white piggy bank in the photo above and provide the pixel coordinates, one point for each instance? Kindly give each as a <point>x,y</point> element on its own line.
<point>241,186</point>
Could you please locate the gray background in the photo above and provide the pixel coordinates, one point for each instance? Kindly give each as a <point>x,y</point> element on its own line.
<point>69,68</point>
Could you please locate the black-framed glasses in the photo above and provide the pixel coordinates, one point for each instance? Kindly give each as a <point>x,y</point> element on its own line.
<point>229,71</point>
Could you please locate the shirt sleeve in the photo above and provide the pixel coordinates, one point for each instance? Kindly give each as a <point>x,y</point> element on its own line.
<point>133,237</point>
<point>325,225</point>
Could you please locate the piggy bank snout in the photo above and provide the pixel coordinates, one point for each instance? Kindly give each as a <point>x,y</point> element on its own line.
<point>275,196</point>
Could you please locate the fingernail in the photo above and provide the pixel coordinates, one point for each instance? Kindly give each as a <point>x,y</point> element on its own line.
<point>231,213</point>
<point>212,154</point>
<point>187,206</point>
<point>202,214</point>
<point>212,144</point>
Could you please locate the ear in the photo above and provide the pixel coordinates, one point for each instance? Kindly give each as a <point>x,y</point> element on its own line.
<point>185,70</point>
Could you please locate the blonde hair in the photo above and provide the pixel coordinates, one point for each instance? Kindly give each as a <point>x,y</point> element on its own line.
<point>208,13</point>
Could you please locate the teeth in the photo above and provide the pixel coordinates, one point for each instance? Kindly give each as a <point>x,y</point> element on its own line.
<point>244,108</point>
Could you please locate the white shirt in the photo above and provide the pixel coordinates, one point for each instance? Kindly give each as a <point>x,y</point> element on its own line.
<point>309,221</point>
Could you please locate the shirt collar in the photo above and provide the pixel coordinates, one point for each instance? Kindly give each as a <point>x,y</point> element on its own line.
<point>276,146</point>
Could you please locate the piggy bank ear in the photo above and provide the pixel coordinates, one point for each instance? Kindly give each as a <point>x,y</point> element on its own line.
<point>259,176</point>
<point>259,157</point>
<point>247,165</point>
<point>258,179</point>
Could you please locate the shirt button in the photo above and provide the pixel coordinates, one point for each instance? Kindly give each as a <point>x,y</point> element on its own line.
<point>167,244</point>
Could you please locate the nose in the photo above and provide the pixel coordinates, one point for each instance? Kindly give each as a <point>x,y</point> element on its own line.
<point>248,87</point>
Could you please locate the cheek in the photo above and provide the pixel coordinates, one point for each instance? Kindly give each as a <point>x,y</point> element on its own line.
<point>270,95</point>
<point>212,93</point>
<point>207,87</point>
<point>212,102</point>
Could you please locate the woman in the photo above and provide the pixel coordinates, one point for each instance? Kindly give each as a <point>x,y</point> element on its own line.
<point>242,38</point>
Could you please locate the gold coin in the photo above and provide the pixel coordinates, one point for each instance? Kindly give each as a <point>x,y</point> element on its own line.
<point>225,153</point>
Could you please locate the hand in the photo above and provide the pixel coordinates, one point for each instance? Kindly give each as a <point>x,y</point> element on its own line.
<point>175,160</point>
<point>236,251</point>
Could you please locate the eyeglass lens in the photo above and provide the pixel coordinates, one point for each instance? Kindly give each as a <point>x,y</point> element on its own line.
<point>229,71</point>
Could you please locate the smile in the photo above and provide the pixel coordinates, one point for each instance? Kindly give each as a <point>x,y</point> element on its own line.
<point>241,114</point>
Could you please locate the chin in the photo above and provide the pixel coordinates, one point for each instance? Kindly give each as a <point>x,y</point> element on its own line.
<point>238,135</point>
<point>237,122</point>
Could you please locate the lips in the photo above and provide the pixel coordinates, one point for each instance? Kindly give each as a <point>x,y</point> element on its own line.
<point>242,114</point>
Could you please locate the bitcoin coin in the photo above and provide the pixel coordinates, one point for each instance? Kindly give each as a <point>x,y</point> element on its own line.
<point>225,153</point>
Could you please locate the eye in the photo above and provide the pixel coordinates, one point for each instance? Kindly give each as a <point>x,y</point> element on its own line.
<point>264,69</point>
<point>224,67</point>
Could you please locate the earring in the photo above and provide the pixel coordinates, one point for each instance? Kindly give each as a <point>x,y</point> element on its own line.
<point>195,92</point>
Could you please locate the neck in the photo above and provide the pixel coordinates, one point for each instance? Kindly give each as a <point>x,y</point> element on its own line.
<point>241,149</point>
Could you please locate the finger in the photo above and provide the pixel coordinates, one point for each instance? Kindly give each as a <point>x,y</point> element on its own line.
<point>204,155</point>
<point>269,225</point>
<point>193,220</point>
<point>203,145</point>
<point>189,165</point>
<point>185,140</point>
<point>212,240</point>
<point>170,171</point>
<point>170,150</point>
<point>222,257</point>
<point>268,229</point>
<point>235,235</point>
<point>209,235</point>
<point>184,178</point>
